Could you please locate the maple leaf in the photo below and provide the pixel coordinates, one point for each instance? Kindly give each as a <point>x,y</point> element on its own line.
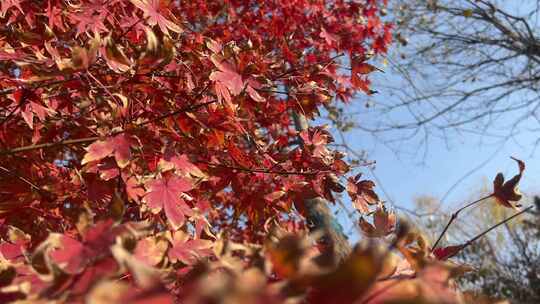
<point>443,253</point>
<point>108,170</point>
<point>54,15</point>
<point>28,116</point>
<point>41,111</point>
<point>144,275</point>
<point>226,78</point>
<point>151,10</point>
<point>30,104</point>
<point>5,5</point>
<point>134,189</point>
<point>363,68</point>
<point>317,141</point>
<point>213,45</point>
<point>182,164</point>
<point>384,223</point>
<point>97,151</point>
<point>13,247</point>
<point>70,254</point>
<point>200,221</point>
<point>187,250</point>
<point>239,156</point>
<point>73,255</point>
<point>361,193</point>
<point>166,193</point>
<point>151,250</point>
<point>122,152</point>
<point>91,18</point>
<point>361,83</point>
<point>507,193</point>
<point>100,149</point>
<point>330,39</point>
<point>251,90</point>
<point>223,93</point>
<point>114,56</point>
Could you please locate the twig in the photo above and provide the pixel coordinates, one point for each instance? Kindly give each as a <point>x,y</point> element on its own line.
<point>94,138</point>
<point>10,114</point>
<point>258,170</point>
<point>454,216</point>
<point>38,84</point>
<point>32,185</point>
<point>182,110</point>
<point>474,239</point>
<point>290,71</point>
<point>49,145</point>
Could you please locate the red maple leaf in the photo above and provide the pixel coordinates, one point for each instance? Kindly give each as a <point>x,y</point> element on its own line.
<point>166,193</point>
<point>239,156</point>
<point>384,223</point>
<point>7,4</point>
<point>187,250</point>
<point>133,189</point>
<point>361,193</point>
<point>447,252</point>
<point>228,78</point>
<point>507,193</point>
<point>73,255</point>
<point>151,9</point>
<point>98,150</point>
<point>182,164</point>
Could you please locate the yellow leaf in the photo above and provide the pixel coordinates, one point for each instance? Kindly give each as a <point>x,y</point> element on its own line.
<point>468,13</point>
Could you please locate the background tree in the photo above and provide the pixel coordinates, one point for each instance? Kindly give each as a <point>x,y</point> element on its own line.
<point>467,67</point>
<point>509,263</point>
<point>506,260</point>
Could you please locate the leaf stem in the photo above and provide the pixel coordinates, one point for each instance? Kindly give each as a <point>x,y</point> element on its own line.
<point>474,239</point>
<point>258,170</point>
<point>453,218</point>
<point>94,138</point>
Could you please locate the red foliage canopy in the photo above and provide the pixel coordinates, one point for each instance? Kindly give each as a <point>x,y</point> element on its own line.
<point>102,97</point>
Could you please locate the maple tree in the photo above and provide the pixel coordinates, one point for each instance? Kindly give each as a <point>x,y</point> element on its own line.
<point>149,147</point>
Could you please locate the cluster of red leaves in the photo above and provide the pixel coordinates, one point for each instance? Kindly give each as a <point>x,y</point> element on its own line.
<point>141,137</point>
<point>109,262</point>
<point>172,106</point>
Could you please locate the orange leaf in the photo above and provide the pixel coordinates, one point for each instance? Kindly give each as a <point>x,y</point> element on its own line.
<point>364,68</point>
<point>383,223</point>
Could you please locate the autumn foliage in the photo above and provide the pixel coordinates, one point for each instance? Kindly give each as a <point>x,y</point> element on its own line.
<point>149,155</point>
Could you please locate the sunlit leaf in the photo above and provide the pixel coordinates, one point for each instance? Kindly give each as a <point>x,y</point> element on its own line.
<point>166,193</point>
<point>152,10</point>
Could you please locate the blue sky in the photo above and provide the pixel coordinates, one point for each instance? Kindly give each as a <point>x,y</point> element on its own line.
<point>406,176</point>
<point>452,170</point>
<point>433,166</point>
<point>467,161</point>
